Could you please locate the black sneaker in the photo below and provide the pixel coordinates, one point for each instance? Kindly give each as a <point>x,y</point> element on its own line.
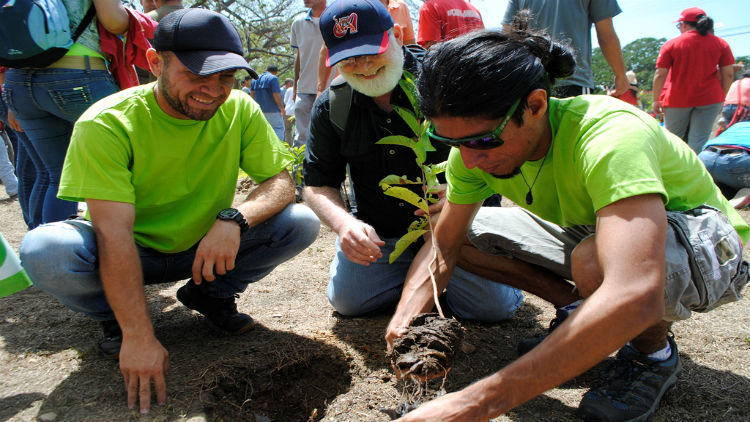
<point>111,340</point>
<point>525,345</point>
<point>221,312</point>
<point>631,387</point>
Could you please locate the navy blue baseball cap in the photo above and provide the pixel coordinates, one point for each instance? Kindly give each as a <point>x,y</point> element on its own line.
<point>204,41</point>
<point>355,28</point>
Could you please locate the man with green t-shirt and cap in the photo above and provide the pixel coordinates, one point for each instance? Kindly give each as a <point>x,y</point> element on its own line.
<point>619,225</point>
<point>157,165</point>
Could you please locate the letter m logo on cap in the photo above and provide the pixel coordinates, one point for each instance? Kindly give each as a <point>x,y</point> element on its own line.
<point>347,24</point>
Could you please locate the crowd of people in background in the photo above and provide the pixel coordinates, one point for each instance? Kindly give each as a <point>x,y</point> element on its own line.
<point>534,73</point>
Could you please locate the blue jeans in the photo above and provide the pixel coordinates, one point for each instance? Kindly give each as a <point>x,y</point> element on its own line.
<point>7,172</point>
<point>356,289</point>
<point>730,168</point>
<point>61,259</point>
<point>26,170</point>
<point>277,123</point>
<point>728,112</point>
<point>47,102</point>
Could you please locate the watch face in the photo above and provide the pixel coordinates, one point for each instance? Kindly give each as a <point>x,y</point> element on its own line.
<point>228,213</point>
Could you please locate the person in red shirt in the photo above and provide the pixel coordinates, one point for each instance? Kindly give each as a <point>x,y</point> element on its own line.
<point>441,20</point>
<point>695,95</point>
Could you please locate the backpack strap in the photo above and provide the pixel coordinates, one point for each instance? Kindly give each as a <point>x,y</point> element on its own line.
<point>340,102</point>
<point>87,18</point>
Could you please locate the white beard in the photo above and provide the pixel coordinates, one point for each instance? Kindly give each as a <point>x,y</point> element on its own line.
<point>386,80</point>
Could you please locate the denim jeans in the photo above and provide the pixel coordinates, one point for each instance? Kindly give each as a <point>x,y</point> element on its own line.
<point>728,112</point>
<point>277,123</point>
<point>356,289</point>
<point>7,172</point>
<point>730,168</point>
<point>26,163</point>
<point>47,102</point>
<point>61,259</point>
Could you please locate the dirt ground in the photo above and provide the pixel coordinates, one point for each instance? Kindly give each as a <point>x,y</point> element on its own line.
<point>305,362</point>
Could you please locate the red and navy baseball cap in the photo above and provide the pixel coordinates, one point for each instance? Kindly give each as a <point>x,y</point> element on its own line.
<point>204,41</point>
<point>355,28</point>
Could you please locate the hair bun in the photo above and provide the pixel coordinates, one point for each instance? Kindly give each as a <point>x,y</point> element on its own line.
<point>562,62</point>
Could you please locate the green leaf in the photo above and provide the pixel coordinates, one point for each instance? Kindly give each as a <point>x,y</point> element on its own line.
<point>406,195</point>
<point>403,243</point>
<point>393,179</point>
<point>410,119</point>
<point>397,140</point>
<point>410,88</point>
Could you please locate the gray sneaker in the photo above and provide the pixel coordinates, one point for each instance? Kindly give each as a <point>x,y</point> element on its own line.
<point>631,387</point>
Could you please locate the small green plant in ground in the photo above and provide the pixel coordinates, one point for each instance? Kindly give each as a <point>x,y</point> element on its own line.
<point>294,168</point>
<point>394,185</point>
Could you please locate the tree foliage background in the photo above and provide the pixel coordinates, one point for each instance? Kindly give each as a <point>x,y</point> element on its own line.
<point>265,26</point>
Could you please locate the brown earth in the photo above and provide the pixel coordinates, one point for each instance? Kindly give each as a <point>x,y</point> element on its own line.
<point>305,362</point>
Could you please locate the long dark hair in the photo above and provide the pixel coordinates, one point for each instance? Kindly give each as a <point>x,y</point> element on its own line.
<point>704,25</point>
<point>482,73</point>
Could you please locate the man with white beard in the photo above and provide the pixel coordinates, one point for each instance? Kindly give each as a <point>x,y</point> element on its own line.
<point>347,120</point>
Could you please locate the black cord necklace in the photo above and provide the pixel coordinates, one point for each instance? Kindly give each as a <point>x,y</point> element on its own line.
<point>529,196</point>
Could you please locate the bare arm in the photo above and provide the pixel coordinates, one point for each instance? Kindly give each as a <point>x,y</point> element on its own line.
<point>359,241</point>
<point>324,72</point>
<point>726,74</point>
<point>296,73</point>
<point>142,357</point>
<point>218,249</point>
<point>629,242</point>
<point>610,45</point>
<point>660,76</point>
<point>112,15</point>
<point>416,296</point>
<point>279,103</point>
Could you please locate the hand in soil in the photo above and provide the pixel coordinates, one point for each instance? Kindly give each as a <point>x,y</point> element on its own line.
<point>458,406</point>
<point>140,363</point>
<point>428,348</point>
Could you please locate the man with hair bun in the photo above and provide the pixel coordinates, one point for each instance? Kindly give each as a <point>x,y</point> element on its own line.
<point>608,200</point>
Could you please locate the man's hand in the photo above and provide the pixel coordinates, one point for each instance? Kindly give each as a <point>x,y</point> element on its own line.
<point>143,361</point>
<point>658,108</point>
<point>393,332</point>
<point>216,251</point>
<point>360,243</point>
<point>621,85</point>
<point>437,206</point>
<point>458,406</point>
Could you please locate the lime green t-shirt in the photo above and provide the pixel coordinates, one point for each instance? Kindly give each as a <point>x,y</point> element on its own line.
<point>178,173</point>
<point>602,151</point>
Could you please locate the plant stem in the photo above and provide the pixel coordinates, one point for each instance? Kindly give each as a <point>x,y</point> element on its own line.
<point>434,251</point>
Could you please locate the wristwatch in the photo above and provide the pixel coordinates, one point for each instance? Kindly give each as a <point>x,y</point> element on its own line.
<point>235,215</point>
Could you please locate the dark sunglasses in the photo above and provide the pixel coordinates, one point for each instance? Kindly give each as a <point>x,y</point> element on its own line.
<point>485,141</point>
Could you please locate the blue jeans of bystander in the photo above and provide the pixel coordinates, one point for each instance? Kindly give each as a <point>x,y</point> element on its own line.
<point>47,102</point>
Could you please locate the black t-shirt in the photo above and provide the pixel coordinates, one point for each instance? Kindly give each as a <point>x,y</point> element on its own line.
<point>328,155</point>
